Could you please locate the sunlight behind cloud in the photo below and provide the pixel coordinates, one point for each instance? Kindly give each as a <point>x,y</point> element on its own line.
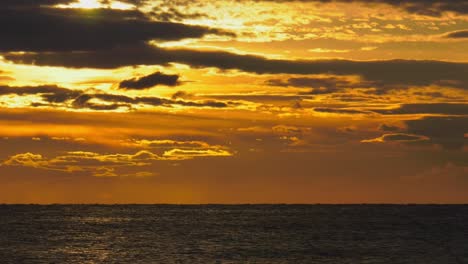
<point>86,4</point>
<point>120,5</point>
<point>94,4</point>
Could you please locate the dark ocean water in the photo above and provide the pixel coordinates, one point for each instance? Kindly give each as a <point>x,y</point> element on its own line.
<point>234,234</point>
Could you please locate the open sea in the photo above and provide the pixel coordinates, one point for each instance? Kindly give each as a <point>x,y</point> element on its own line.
<point>234,234</point>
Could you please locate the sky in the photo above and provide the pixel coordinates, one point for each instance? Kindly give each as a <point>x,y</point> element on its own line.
<point>240,101</point>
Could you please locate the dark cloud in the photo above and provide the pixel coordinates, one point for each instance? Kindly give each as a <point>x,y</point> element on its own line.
<point>151,80</point>
<point>329,83</point>
<point>430,94</point>
<point>402,137</point>
<point>4,4</point>
<point>263,98</point>
<point>448,132</point>
<point>353,97</point>
<point>398,137</point>
<point>433,108</point>
<point>405,109</point>
<point>181,94</point>
<point>388,128</point>
<point>332,85</point>
<point>385,73</point>
<point>173,14</point>
<point>39,3</point>
<point>339,110</point>
<point>154,101</point>
<point>457,34</point>
<point>52,29</point>
<point>83,101</point>
<point>319,85</point>
<point>54,95</point>
<point>115,98</point>
<point>119,101</point>
<point>50,93</point>
<point>209,103</point>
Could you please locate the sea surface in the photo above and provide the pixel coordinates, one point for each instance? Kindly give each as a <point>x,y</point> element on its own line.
<point>234,234</point>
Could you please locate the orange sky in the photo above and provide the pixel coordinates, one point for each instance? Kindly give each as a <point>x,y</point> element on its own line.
<point>266,101</point>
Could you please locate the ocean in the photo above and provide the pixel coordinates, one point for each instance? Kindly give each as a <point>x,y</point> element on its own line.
<point>234,234</point>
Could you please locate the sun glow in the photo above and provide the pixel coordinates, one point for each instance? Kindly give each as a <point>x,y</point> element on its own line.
<point>94,4</point>
<point>86,4</point>
<point>120,5</point>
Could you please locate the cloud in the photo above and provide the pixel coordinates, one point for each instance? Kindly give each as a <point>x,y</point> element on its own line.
<point>31,3</point>
<point>170,143</point>
<point>76,161</point>
<point>388,128</point>
<point>83,101</point>
<point>5,77</point>
<point>68,139</point>
<point>457,34</point>
<point>164,144</point>
<point>54,96</point>
<point>285,130</point>
<point>330,85</point>
<point>448,132</point>
<point>51,93</point>
<point>149,81</point>
<point>57,29</point>
<point>405,109</point>
<point>104,165</point>
<point>348,97</point>
<point>25,159</point>
<point>181,94</point>
<point>340,110</point>
<point>421,7</point>
<point>173,14</point>
<point>431,108</point>
<point>430,94</point>
<point>337,84</point>
<point>391,72</point>
<point>398,137</point>
<point>318,85</point>
<point>183,154</point>
<point>261,98</point>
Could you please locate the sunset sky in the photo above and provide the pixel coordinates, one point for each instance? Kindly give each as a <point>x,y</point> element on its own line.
<point>241,101</point>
